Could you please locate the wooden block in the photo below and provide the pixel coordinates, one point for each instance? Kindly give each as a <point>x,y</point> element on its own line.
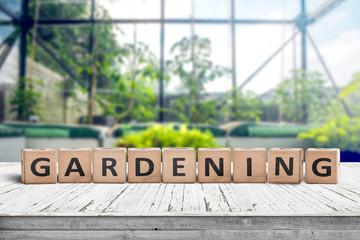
<point>249,165</point>
<point>109,165</point>
<point>179,165</point>
<point>74,165</point>
<point>38,166</point>
<point>214,165</point>
<point>322,165</point>
<point>285,165</point>
<point>144,165</point>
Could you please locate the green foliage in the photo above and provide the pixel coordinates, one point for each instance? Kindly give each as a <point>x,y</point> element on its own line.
<point>192,66</point>
<point>132,97</point>
<point>28,99</point>
<point>167,136</point>
<point>342,132</point>
<point>302,94</point>
<point>351,88</point>
<point>247,105</point>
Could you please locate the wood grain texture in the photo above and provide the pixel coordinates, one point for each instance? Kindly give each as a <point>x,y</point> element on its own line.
<point>186,165</point>
<point>322,155</point>
<point>118,155</point>
<point>257,168</point>
<point>28,156</point>
<point>288,155</point>
<point>216,155</point>
<point>67,160</point>
<point>197,199</point>
<point>152,154</point>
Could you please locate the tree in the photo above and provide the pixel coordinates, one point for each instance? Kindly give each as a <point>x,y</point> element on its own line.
<point>303,93</point>
<point>132,97</point>
<point>248,105</point>
<point>190,63</point>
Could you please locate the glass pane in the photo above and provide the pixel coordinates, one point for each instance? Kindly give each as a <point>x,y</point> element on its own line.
<point>255,44</point>
<point>129,9</point>
<point>12,5</point>
<point>313,5</point>
<point>5,31</point>
<point>265,9</point>
<point>337,36</point>
<point>212,9</point>
<point>10,69</point>
<point>178,9</point>
<point>173,34</point>
<point>220,54</point>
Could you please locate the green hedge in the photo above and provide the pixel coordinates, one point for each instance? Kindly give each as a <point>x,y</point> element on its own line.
<point>120,131</point>
<point>277,131</point>
<point>241,130</point>
<point>56,131</point>
<point>268,130</point>
<point>6,131</point>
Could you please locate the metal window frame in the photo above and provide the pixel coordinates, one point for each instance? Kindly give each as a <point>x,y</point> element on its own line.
<point>25,22</point>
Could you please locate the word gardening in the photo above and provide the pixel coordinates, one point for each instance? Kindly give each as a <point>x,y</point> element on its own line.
<point>108,165</point>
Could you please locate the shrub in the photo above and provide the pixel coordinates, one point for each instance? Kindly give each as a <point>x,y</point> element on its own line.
<point>342,132</point>
<point>167,136</point>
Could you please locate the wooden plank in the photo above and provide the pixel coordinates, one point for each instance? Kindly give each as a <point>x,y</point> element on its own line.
<point>159,199</point>
<point>194,234</point>
<point>65,223</point>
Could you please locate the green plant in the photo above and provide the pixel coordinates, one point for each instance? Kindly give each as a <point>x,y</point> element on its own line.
<point>27,99</point>
<point>247,105</point>
<point>342,132</point>
<point>303,93</point>
<point>132,97</point>
<point>192,66</point>
<point>167,136</point>
<point>351,88</point>
<point>351,95</point>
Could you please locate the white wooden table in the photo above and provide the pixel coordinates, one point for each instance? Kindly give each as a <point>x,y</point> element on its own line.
<point>172,211</point>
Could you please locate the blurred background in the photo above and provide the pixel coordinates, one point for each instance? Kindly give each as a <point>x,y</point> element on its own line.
<point>201,73</point>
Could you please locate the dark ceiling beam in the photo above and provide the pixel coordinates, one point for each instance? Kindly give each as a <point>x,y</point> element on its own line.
<point>178,21</point>
<point>6,22</point>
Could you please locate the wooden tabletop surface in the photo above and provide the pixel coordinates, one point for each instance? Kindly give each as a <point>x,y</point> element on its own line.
<point>160,199</point>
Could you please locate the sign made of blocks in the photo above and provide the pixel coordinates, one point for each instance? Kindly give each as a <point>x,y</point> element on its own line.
<point>285,165</point>
<point>144,165</point>
<point>322,165</point>
<point>74,165</point>
<point>38,166</point>
<point>249,165</point>
<point>109,165</point>
<point>214,165</point>
<point>179,165</point>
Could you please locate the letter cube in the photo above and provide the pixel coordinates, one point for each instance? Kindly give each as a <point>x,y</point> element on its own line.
<point>38,166</point>
<point>109,165</point>
<point>249,165</point>
<point>322,165</point>
<point>179,165</point>
<point>144,165</point>
<point>74,165</point>
<point>214,165</point>
<point>285,165</point>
